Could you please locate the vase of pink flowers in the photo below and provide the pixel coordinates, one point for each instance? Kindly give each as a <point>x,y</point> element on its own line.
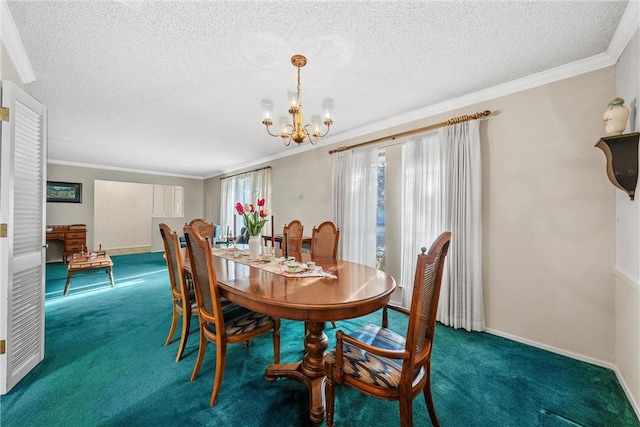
<point>254,218</point>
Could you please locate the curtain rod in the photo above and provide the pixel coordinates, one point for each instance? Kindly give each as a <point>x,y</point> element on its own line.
<point>449,122</point>
<point>242,173</point>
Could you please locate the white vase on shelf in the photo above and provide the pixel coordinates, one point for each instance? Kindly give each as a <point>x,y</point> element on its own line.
<point>615,118</point>
<point>254,247</point>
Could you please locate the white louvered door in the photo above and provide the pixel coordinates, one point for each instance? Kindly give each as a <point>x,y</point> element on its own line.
<point>22,254</point>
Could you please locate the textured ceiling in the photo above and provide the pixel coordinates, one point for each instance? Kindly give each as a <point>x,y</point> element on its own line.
<point>176,87</point>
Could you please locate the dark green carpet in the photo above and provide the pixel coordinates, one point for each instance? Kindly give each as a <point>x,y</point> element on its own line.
<point>106,365</point>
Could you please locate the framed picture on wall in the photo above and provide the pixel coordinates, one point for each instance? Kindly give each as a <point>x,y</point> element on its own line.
<point>66,192</point>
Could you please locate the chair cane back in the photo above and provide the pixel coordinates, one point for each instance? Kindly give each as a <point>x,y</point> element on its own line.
<point>324,241</point>
<point>293,241</point>
<point>203,227</point>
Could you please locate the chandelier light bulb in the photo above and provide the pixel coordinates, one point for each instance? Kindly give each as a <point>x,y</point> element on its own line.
<point>267,107</point>
<point>283,124</point>
<point>293,98</point>
<point>315,123</point>
<point>327,107</point>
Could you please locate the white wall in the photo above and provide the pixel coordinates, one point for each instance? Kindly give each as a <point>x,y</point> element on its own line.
<point>627,263</point>
<point>548,208</point>
<point>628,211</point>
<point>122,214</point>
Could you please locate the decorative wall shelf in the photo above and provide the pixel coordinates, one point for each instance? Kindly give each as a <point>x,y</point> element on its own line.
<point>621,152</point>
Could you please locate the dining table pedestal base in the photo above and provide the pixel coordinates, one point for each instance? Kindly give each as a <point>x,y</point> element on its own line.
<point>310,370</point>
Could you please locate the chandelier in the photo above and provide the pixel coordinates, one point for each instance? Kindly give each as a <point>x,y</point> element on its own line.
<point>296,130</point>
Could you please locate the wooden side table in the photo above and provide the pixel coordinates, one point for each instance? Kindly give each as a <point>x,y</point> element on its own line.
<point>79,262</point>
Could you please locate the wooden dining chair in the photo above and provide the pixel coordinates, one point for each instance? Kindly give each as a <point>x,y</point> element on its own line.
<point>184,303</point>
<point>384,364</point>
<point>324,240</point>
<point>293,242</point>
<point>324,243</point>
<point>204,228</point>
<point>221,324</point>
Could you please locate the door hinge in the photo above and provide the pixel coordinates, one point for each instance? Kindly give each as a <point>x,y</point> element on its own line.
<point>3,346</point>
<point>3,230</point>
<point>4,114</point>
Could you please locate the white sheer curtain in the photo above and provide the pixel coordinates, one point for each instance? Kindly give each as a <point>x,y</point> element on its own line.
<point>461,296</point>
<point>338,191</point>
<point>227,195</point>
<point>442,191</point>
<point>423,203</point>
<point>355,187</point>
<point>261,186</point>
<point>244,188</point>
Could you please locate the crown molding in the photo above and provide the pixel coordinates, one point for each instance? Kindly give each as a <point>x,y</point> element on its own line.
<point>12,41</point>
<point>576,68</point>
<point>115,168</point>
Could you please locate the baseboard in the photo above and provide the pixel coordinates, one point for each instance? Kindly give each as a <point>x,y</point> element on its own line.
<point>552,349</point>
<point>627,278</point>
<point>634,404</point>
<point>128,250</point>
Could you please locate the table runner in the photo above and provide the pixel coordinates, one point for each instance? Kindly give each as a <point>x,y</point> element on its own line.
<point>277,267</point>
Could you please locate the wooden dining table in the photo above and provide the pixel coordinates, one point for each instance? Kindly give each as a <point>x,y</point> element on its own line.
<point>350,290</point>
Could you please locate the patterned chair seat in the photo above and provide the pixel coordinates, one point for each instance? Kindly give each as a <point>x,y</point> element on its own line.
<point>370,368</point>
<point>239,320</point>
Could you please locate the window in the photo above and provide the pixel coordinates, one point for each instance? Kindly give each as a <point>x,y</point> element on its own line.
<point>380,222</point>
<point>244,188</point>
<point>168,201</point>
<point>389,230</point>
